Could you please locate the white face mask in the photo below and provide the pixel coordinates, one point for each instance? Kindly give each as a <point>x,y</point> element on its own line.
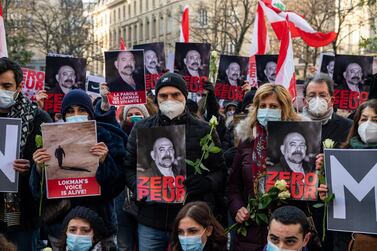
<point>368,132</point>
<point>77,118</point>
<point>172,108</point>
<point>318,106</point>
<point>6,99</point>
<point>273,247</point>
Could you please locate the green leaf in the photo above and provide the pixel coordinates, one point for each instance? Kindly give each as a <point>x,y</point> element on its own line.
<point>203,167</point>
<point>189,162</point>
<point>266,201</point>
<point>263,217</point>
<point>330,197</point>
<point>214,149</point>
<point>203,140</point>
<point>318,205</point>
<point>322,179</point>
<point>206,155</point>
<point>38,141</point>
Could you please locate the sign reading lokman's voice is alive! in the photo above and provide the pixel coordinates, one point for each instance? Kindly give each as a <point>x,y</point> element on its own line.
<point>292,148</point>
<point>71,171</point>
<point>10,136</point>
<point>161,168</point>
<point>351,177</point>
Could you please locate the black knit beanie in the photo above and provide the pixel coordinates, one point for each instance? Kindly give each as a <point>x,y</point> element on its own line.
<point>80,98</point>
<point>171,79</point>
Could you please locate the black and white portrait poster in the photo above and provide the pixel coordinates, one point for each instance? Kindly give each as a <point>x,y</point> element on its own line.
<point>161,168</point>
<point>232,73</point>
<point>125,77</point>
<point>63,74</point>
<point>326,64</point>
<point>154,62</point>
<point>10,137</point>
<point>350,78</point>
<point>72,168</point>
<point>192,62</point>
<point>292,148</point>
<point>351,177</point>
<point>266,68</point>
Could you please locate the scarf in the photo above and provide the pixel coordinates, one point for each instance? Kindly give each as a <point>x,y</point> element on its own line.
<point>356,143</point>
<point>10,211</point>
<point>259,156</point>
<point>323,119</point>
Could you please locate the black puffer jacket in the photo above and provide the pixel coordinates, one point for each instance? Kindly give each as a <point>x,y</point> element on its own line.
<point>161,216</point>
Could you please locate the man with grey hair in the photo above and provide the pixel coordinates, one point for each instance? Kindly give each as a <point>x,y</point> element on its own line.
<point>353,76</point>
<point>270,72</point>
<point>233,73</point>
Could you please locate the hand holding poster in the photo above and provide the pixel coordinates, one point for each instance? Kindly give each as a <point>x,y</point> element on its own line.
<point>125,77</point>
<point>351,177</point>
<point>71,171</point>
<point>291,151</point>
<point>232,73</point>
<point>10,137</point>
<point>161,168</point>
<point>32,82</point>
<point>154,62</point>
<point>192,62</point>
<point>63,74</point>
<point>350,75</point>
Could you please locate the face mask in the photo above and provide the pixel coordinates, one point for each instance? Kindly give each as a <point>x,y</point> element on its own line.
<point>172,108</point>
<point>318,106</point>
<point>368,132</point>
<point>135,119</point>
<point>77,118</point>
<point>60,121</point>
<point>191,243</point>
<point>229,114</point>
<point>266,114</point>
<point>272,247</point>
<point>7,99</point>
<point>79,242</point>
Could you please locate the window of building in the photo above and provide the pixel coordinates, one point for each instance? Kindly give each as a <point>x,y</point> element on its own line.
<point>124,11</point>
<point>230,48</point>
<point>169,24</point>
<point>119,14</point>
<point>147,29</point>
<point>129,10</point>
<point>141,6</point>
<point>161,28</point>
<point>203,17</point>
<point>154,27</point>
<point>141,34</point>
<point>153,4</point>
<point>129,34</point>
<point>135,33</point>
<point>134,8</point>
<point>146,5</point>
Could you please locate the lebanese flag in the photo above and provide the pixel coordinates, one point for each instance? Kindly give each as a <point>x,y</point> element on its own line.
<point>299,27</point>
<point>285,69</point>
<point>185,26</point>
<point>3,41</point>
<point>260,41</point>
<point>122,45</point>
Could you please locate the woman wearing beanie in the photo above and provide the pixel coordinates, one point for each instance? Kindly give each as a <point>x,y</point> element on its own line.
<point>84,230</point>
<point>77,107</point>
<point>132,114</point>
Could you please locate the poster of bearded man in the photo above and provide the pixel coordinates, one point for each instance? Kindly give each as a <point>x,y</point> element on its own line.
<point>266,68</point>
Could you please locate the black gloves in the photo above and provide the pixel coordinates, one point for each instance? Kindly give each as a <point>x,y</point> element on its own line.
<point>197,184</point>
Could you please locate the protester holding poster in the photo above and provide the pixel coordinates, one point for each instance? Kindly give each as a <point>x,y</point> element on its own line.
<point>350,75</point>
<point>157,218</point>
<point>232,73</point>
<point>266,68</point>
<point>125,77</point>
<point>271,103</point>
<point>154,62</point>
<point>18,210</point>
<point>362,135</point>
<point>291,151</point>
<point>77,107</point>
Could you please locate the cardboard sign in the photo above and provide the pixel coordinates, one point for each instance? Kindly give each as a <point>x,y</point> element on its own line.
<point>292,148</point>
<point>233,70</point>
<point>154,62</point>
<point>351,177</point>
<point>125,77</point>
<point>32,82</point>
<point>161,168</point>
<point>10,137</point>
<point>63,73</point>
<point>71,172</point>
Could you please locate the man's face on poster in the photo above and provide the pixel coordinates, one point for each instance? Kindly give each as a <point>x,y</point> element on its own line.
<point>150,59</point>
<point>193,60</point>
<point>270,71</point>
<point>233,71</point>
<point>125,63</point>
<point>353,74</point>
<point>294,148</point>
<point>163,153</point>
<point>330,68</point>
<point>66,78</point>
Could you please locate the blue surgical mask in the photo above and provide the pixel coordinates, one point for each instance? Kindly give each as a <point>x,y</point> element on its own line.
<point>273,247</point>
<point>191,243</point>
<point>266,114</point>
<point>79,242</point>
<point>7,99</point>
<point>77,118</point>
<point>135,119</point>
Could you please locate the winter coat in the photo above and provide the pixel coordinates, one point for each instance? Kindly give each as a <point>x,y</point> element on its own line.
<point>161,216</point>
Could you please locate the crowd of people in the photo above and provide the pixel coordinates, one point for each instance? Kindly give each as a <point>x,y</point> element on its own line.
<point>215,199</point>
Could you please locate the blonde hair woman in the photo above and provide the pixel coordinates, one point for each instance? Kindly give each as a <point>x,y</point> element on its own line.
<point>271,103</point>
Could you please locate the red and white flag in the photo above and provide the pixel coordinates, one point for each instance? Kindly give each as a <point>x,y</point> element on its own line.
<point>122,45</point>
<point>261,42</point>
<point>185,26</point>
<point>3,41</point>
